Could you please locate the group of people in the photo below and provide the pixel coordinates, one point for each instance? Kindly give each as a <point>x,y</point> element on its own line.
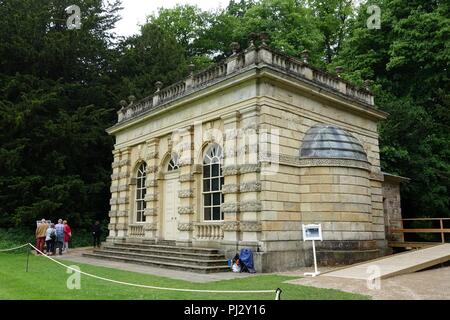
<point>53,237</point>
<point>58,236</point>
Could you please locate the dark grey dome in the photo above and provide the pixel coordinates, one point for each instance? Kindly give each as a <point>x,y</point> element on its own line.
<point>328,141</point>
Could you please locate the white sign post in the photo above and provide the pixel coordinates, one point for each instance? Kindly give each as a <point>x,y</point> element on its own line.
<point>312,232</point>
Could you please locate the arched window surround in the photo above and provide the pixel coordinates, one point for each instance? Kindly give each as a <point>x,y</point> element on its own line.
<point>141,190</point>
<point>212,182</point>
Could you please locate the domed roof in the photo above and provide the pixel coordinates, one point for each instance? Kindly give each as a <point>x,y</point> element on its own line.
<point>328,141</point>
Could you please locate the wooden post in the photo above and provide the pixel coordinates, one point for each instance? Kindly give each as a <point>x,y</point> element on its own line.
<point>442,228</point>
<point>28,258</point>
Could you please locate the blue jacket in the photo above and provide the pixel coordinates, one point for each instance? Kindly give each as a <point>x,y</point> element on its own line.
<point>59,232</point>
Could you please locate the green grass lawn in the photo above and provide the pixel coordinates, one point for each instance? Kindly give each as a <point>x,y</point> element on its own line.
<point>46,280</point>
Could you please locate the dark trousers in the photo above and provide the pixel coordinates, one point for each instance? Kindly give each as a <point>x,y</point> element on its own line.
<point>59,245</point>
<point>96,237</point>
<point>50,246</point>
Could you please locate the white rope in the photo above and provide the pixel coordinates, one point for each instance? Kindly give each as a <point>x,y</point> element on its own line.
<point>150,287</point>
<point>12,249</point>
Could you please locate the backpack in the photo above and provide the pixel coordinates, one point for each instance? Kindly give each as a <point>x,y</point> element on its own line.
<point>53,235</point>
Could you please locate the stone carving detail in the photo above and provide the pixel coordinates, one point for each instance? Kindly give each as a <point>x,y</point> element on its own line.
<point>152,155</point>
<point>151,183</point>
<point>121,226</point>
<point>185,227</point>
<point>115,164</point>
<point>123,200</point>
<point>186,177</point>
<point>185,210</point>
<point>151,226</point>
<point>230,188</point>
<point>115,176</point>
<point>250,206</point>
<point>150,212</point>
<point>230,207</point>
<point>230,170</point>
<point>247,168</point>
<point>250,226</point>
<point>152,169</point>
<point>151,197</point>
<point>188,193</point>
<point>122,213</point>
<point>124,162</point>
<point>250,186</point>
<point>230,226</point>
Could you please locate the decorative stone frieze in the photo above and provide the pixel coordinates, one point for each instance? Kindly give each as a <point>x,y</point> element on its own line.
<point>250,186</point>
<point>149,212</point>
<point>230,207</point>
<point>250,206</point>
<point>124,162</point>
<point>250,226</point>
<point>230,188</point>
<point>185,227</point>
<point>188,193</point>
<point>186,210</point>
<point>186,177</point>
<point>151,226</point>
<point>230,226</point>
<point>230,170</point>
<point>248,168</point>
<point>151,197</point>
<point>115,164</point>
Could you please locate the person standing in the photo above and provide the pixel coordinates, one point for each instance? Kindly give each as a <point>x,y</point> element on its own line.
<point>50,237</point>
<point>67,236</point>
<point>40,235</point>
<point>96,233</point>
<point>59,236</point>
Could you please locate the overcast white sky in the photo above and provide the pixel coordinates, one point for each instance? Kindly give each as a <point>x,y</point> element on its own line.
<point>135,11</point>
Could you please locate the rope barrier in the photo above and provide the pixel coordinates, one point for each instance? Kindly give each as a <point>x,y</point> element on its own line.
<point>12,249</point>
<point>276,292</point>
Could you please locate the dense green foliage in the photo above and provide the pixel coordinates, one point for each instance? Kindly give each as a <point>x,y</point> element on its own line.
<point>47,280</point>
<point>59,88</point>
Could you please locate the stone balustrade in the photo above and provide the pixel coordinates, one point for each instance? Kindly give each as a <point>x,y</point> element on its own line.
<point>136,230</point>
<point>252,57</point>
<point>208,231</point>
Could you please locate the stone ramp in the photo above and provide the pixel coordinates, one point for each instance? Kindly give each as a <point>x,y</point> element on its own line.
<point>396,264</point>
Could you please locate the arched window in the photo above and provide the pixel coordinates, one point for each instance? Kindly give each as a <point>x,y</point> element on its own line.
<point>173,163</point>
<point>140,192</point>
<point>212,183</point>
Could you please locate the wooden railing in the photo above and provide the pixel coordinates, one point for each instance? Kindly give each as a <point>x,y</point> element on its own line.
<point>208,231</point>
<point>440,230</point>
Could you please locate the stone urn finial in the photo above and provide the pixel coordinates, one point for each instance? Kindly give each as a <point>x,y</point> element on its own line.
<point>191,68</point>
<point>339,70</point>
<point>158,85</point>
<point>367,84</point>
<point>235,46</point>
<point>264,36</point>
<point>252,36</point>
<point>123,104</point>
<point>305,56</point>
<point>132,99</point>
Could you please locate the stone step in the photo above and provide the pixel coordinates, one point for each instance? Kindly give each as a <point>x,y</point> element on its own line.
<point>153,257</point>
<point>169,248</point>
<point>160,264</point>
<point>151,251</point>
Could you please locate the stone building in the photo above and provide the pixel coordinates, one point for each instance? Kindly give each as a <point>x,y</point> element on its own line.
<point>245,152</point>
